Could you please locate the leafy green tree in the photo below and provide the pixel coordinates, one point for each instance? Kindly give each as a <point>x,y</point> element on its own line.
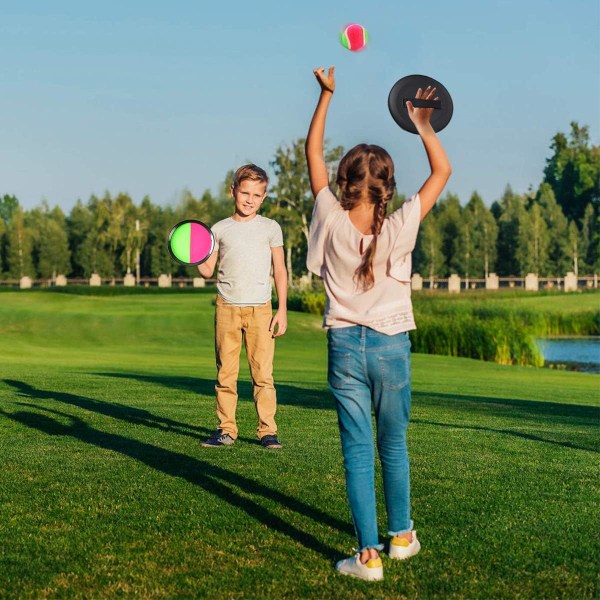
<point>224,192</point>
<point>218,208</point>
<point>134,233</point>
<point>558,260</point>
<point>118,217</point>
<point>292,193</point>
<point>451,226</point>
<point>191,207</point>
<point>428,258</point>
<point>95,254</point>
<point>20,246</point>
<point>573,171</point>
<point>482,237</point>
<point>574,247</point>
<point>510,215</point>
<point>50,252</point>
<point>532,247</point>
<point>295,243</point>
<point>157,221</point>
<point>35,222</point>
<point>590,239</point>
<point>3,243</point>
<point>54,254</point>
<point>80,223</point>
<point>8,205</point>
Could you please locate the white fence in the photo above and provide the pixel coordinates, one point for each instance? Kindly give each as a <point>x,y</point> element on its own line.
<point>455,284</point>
<point>96,281</point>
<point>452,284</point>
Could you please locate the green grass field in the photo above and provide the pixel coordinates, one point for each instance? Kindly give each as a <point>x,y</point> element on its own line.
<point>106,492</point>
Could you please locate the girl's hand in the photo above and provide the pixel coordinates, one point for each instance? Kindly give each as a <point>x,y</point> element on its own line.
<point>327,82</point>
<point>420,116</point>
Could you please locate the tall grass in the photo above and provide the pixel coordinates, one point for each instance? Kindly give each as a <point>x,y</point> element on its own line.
<point>500,340</point>
<point>501,328</point>
<point>484,328</point>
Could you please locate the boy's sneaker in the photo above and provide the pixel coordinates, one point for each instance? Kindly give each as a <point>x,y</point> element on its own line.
<point>218,439</point>
<point>372,570</point>
<point>401,548</point>
<point>270,441</point>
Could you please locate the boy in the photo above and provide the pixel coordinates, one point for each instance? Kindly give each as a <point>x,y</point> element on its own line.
<point>246,244</point>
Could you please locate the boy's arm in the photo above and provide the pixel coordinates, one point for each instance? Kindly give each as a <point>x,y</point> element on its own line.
<point>281,285</point>
<point>207,268</point>
<point>317,169</point>
<point>438,161</point>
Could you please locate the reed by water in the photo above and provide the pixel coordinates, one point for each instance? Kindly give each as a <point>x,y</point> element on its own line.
<point>499,327</point>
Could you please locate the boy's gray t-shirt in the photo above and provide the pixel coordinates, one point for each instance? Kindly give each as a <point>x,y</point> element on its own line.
<point>245,258</point>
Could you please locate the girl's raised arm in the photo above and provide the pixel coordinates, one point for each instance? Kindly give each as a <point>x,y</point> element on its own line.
<point>438,161</point>
<point>317,169</point>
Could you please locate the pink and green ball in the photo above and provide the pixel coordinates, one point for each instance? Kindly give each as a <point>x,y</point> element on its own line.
<point>191,242</point>
<point>354,37</point>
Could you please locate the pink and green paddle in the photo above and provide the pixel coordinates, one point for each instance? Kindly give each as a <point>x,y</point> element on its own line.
<point>191,242</point>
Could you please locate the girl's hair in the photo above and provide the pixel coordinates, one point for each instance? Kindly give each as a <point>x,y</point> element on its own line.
<point>369,169</point>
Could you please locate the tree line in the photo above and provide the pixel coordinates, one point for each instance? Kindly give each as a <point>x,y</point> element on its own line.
<point>548,231</point>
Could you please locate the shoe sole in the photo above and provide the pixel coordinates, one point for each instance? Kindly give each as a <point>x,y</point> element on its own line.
<point>358,576</point>
<point>404,557</point>
<point>214,446</point>
<point>272,446</point>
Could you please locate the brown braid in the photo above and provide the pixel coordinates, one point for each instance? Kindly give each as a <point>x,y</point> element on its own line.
<point>371,167</point>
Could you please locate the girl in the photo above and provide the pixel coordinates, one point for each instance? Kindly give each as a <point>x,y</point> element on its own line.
<point>364,258</point>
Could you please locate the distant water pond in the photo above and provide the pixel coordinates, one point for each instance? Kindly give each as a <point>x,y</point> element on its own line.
<point>577,353</point>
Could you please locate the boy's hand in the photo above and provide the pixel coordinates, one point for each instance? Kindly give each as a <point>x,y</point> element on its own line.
<point>327,82</point>
<point>280,319</point>
<point>420,116</point>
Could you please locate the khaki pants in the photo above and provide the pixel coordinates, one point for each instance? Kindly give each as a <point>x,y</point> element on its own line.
<point>250,323</point>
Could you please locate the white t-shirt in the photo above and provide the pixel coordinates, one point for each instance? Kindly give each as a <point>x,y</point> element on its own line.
<point>245,258</point>
<point>334,254</point>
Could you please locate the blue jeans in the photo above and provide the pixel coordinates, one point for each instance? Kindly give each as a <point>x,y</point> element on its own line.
<point>367,368</point>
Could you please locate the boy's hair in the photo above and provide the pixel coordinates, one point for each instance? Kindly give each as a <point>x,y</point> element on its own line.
<point>251,172</point>
<point>369,168</point>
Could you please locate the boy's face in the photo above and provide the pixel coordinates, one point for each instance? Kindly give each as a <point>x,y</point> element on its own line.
<point>248,196</point>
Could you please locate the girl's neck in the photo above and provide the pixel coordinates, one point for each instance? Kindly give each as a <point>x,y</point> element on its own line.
<point>362,217</point>
<point>363,207</point>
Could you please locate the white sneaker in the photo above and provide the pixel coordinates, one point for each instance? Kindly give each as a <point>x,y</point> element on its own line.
<point>372,570</point>
<point>401,548</point>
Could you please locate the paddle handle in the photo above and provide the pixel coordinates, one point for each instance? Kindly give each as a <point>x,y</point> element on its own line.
<point>418,103</point>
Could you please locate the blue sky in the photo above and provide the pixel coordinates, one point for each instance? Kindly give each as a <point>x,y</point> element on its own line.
<point>154,97</point>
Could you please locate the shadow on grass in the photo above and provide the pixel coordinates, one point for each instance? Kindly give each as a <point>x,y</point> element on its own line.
<point>287,395</point>
<point>533,407</point>
<point>520,434</point>
<point>216,480</point>
<point>544,413</point>
<point>135,416</point>
<point>549,412</point>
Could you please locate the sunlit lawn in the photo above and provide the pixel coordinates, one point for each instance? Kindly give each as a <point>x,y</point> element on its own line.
<point>106,492</point>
